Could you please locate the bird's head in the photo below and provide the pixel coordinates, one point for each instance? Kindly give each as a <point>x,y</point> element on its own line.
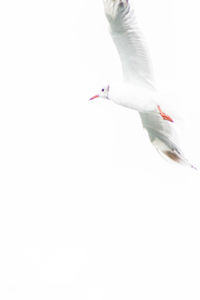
<point>104,93</point>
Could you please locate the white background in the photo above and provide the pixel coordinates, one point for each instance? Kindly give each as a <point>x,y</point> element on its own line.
<point>88,209</point>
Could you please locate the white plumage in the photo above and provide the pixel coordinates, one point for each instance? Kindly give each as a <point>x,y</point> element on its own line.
<point>138,89</point>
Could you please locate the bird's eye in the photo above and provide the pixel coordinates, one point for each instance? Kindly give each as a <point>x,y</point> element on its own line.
<point>102,90</point>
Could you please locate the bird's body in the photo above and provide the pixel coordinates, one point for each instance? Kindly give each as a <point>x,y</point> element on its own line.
<point>135,97</point>
<point>138,90</point>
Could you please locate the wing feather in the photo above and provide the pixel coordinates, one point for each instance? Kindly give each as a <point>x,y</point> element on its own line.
<point>129,42</point>
<point>164,137</point>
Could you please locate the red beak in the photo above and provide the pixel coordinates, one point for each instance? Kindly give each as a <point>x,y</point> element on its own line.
<point>97,96</point>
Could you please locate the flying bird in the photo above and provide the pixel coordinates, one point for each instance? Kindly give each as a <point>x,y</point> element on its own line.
<point>138,90</point>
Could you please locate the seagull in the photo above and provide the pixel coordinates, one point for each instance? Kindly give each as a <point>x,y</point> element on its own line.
<point>138,91</point>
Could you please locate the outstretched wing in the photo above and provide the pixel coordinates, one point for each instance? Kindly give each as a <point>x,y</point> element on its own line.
<point>129,41</point>
<point>164,137</point>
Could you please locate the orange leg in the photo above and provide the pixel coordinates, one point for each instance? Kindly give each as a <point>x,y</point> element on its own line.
<point>164,116</point>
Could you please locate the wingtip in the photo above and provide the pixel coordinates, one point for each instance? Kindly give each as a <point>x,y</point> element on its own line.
<point>114,7</point>
<point>194,168</point>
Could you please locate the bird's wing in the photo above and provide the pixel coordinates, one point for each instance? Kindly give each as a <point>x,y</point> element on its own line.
<point>129,41</point>
<point>163,136</point>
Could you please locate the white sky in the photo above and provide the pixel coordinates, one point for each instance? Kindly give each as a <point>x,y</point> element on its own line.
<point>88,208</point>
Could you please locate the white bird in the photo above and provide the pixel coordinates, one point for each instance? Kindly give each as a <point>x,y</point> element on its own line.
<point>138,89</point>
